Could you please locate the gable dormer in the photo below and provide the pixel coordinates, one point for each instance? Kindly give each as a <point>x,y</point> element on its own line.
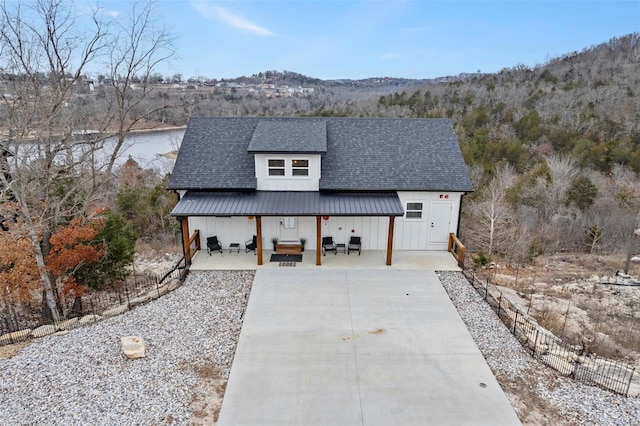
<point>287,154</point>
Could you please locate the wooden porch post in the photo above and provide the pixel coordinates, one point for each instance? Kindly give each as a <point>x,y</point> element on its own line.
<point>318,241</point>
<point>390,240</point>
<point>186,245</point>
<point>259,238</point>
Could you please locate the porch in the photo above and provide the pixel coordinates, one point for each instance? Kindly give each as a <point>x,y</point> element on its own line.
<point>369,259</point>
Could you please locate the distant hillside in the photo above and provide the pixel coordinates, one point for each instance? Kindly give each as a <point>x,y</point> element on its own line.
<point>238,97</point>
<point>583,103</point>
<point>291,78</point>
<point>586,103</point>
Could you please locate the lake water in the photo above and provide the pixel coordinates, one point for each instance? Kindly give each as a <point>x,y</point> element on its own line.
<point>147,148</point>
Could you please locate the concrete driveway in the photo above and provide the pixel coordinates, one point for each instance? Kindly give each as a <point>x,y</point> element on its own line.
<point>358,347</point>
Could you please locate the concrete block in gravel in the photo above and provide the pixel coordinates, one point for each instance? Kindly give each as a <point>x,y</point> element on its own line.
<point>133,347</point>
<point>139,300</point>
<point>44,330</point>
<point>70,323</point>
<point>115,311</point>
<point>173,284</point>
<point>16,336</point>
<point>89,319</point>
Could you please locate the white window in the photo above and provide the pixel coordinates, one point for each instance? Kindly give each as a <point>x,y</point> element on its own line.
<point>276,167</point>
<point>413,211</point>
<point>289,222</point>
<point>300,167</point>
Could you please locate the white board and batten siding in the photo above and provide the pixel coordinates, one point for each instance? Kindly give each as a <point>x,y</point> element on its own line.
<point>439,217</point>
<point>372,230</point>
<point>236,229</point>
<point>239,229</point>
<point>288,181</point>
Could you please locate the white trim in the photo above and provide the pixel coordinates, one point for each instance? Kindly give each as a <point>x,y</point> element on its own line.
<point>289,222</point>
<point>288,167</point>
<point>293,168</point>
<point>407,210</point>
<point>270,167</point>
<point>287,182</point>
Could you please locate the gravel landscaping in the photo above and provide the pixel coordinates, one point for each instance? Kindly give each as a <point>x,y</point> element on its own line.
<point>83,378</point>
<point>538,394</point>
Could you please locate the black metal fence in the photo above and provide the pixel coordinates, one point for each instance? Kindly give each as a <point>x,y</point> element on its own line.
<point>568,359</point>
<point>24,321</point>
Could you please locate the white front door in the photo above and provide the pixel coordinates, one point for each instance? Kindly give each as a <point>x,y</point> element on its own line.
<point>289,229</point>
<point>439,221</point>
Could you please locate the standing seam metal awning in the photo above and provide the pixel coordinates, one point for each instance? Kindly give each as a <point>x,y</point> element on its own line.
<point>288,203</point>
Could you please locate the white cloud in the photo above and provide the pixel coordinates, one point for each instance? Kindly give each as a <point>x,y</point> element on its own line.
<point>217,13</point>
<point>390,56</point>
<point>113,13</point>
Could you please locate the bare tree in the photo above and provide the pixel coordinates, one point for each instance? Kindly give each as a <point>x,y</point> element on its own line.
<point>491,228</point>
<point>45,57</point>
<point>53,169</point>
<point>136,49</point>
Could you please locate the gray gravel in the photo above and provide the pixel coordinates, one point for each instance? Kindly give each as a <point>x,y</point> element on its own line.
<point>572,403</point>
<point>84,379</point>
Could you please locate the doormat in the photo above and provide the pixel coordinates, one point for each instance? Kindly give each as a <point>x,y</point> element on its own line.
<point>286,258</point>
<point>287,263</point>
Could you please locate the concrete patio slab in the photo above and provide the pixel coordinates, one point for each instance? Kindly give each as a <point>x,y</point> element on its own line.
<point>358,347</point>
<point>370,259</point>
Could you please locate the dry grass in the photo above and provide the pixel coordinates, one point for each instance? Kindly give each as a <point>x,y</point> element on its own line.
<point>10,351</point>
<point>550,319</point>
<point>207,409</point>
<point>564,296</point>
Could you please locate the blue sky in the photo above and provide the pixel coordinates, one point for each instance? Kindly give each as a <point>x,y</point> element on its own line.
<point>371,38</point>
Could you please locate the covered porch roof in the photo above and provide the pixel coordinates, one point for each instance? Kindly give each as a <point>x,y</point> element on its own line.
<point>288,203</point>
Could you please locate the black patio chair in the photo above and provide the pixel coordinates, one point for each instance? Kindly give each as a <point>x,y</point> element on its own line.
<point>251,244</point>
<point>328,245</point>
<point>354,245</point>
<point>213,244</point>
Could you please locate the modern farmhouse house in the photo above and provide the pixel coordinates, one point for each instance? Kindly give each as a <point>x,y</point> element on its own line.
<point>395,183</point>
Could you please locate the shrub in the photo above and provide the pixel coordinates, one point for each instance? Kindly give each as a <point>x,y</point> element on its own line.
<point>120,243</point>
<point>481,259</point>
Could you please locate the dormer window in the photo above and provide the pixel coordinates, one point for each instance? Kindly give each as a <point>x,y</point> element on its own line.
<point>300,167</point>
<point>288,171</point>
<point>276,167</point>
<point>290,167</point>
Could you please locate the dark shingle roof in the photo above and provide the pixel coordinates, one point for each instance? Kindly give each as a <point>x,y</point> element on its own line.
<point>288,203</point>
<point>289,135</point>
<point>362,154</point>
<point>213,154</point>
<point>393,154</point>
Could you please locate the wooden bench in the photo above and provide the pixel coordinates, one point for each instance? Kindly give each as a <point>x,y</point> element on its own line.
<point>289,247</point>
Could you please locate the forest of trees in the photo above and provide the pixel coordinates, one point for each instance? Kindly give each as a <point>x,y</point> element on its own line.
<point>553,151</point>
